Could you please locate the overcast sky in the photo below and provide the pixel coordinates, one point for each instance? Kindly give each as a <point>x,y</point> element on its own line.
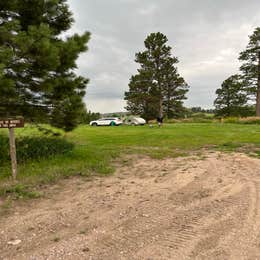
<point>206,36</point>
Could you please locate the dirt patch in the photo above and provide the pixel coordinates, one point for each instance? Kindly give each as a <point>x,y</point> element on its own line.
<point>182,208</point>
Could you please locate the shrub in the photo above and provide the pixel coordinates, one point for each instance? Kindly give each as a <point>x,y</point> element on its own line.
<point>152,121</point>
<point>28,148</point>
<point>199,115</point>
<point>249,120</point>
<point>4,148</point>
<point>196,120</point>
<point>184,120</point>
<point>171,121</point>
<point>231,120</point>
<point>242,120</point>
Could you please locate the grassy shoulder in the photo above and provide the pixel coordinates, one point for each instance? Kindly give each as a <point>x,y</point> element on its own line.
<point>96,148</point>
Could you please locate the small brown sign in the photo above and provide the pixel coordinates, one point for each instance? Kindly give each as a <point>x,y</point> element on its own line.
<point>11,123</point>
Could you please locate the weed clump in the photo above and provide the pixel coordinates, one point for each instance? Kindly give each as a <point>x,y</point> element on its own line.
<point>19,191</point>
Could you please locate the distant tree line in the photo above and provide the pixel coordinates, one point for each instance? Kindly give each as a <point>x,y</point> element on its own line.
<point>202,110</point>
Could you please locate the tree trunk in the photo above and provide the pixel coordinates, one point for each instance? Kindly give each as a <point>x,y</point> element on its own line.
<point>161,108</point>
<point>168,102</point>
<point>258,88</point>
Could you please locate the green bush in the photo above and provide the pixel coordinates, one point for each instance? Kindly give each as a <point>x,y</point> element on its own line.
<point>4,148</point>
<point>231,120</point>
<point>28,148</point>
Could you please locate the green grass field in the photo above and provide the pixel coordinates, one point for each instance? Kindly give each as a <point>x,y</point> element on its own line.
<point>96,147</point>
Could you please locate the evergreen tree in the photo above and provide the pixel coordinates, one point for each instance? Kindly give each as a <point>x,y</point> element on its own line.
<point>232,97</point>
<point>157,89</point>
<point>37,80</point>
<point>251,67</point>
<point>140,100</point>
<point>175,91</point>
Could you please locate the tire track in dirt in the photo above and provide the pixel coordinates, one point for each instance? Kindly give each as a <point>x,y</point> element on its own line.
<point>243,246</point>
<point>176,233</point>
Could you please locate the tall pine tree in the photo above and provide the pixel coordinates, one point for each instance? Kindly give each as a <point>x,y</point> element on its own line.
<point>251,67</point>
<point>157,89</point>
<point>37,78</point>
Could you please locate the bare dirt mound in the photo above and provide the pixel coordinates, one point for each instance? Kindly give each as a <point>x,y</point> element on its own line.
<point>184,208</point>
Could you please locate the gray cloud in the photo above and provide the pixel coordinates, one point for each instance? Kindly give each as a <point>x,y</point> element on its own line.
<point>206,36</point>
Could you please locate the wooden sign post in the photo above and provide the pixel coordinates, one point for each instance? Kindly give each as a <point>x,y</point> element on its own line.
<point>11,124</point>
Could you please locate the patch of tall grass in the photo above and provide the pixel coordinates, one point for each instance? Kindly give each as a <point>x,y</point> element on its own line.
<point>34,148</point>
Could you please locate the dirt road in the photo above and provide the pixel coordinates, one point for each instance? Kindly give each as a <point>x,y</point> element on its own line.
<point>184,208</point>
